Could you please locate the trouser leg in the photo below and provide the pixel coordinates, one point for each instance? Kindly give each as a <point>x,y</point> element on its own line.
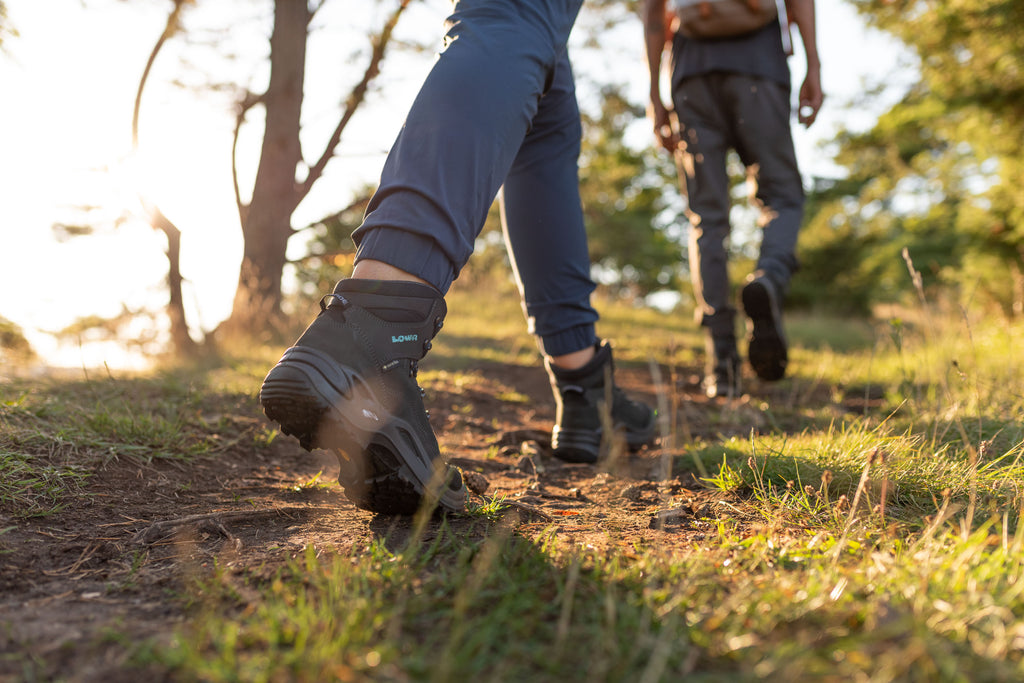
<point>706,136</point>
<point>542,220</point>
<point>765,145</point>
<point>462,134</point>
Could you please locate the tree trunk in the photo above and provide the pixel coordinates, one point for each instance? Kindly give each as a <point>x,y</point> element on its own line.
<point>266,222</point>
<point>181,340</point>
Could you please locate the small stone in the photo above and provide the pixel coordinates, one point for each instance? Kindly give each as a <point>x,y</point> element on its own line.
<point>663,519</point>
<point>476,482</point>
<point>526,465</point>
<point>631,492</point>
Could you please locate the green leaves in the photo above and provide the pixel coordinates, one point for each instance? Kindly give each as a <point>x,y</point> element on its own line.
<point>633,225</point>
<point>941,172</point>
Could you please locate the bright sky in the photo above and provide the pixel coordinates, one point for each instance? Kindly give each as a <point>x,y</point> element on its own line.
<point>69,83</point>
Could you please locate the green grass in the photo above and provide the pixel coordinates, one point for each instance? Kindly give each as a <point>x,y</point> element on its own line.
<point>874,531</point>
<point>937,606</point>
<point>885,546</point>
<point>32,489</point>
<point>55,432</point>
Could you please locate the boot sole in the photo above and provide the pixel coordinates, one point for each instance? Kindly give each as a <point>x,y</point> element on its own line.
<point>326,405</point>
<point>584,446</point>
<point>767,348</point>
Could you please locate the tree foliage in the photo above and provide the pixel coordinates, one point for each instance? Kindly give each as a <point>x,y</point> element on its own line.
<point>941,173</point>
<point>331,251</point>
<point>633,225</point>
<point>14,347</point>
<point>5,25</point>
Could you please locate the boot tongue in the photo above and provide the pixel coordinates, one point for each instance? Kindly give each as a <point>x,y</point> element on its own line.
<point>392,300</point>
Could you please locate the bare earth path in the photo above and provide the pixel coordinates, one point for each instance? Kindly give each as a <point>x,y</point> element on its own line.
<point>79,587</point>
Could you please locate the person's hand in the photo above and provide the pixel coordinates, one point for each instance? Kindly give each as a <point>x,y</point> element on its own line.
<point>811,98</point>
<point>664,132</point>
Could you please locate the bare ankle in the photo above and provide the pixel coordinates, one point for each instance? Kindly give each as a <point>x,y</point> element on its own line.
<point>370,269</point>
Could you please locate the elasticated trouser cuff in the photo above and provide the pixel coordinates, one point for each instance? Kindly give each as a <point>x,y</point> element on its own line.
<point>569,341</point>
<point>416,254</point>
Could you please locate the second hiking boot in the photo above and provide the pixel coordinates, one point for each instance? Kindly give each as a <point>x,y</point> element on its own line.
<point>581,396</point>
<point>349,384</point>
<point>767,345</point>
<point>722,366</point>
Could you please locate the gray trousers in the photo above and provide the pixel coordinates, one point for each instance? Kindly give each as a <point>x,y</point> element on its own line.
<point>719,112</point>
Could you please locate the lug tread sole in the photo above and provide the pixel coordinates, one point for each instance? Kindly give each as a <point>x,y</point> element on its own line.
<point>311,407</point>
<point>766,350</point>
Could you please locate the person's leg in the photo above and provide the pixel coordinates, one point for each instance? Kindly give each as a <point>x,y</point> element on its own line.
<point>462,134</point>
<point>706,132</point>
<point>764,143</point>
<point>542,219</point>
<point>349,382</point>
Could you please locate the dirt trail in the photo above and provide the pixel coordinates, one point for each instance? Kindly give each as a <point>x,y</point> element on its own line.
<point>114,561</point>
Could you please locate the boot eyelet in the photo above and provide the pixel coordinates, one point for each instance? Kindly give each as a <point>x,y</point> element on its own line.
<point>342,301</point>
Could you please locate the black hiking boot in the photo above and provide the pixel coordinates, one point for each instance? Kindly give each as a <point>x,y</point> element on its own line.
<point>767,345</point>
<point>581,396</point>
<point>349,384</point>
<point>722,367</point>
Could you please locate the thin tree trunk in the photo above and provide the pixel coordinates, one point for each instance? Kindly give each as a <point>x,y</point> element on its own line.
<point>181,339</point>
<point>266,221</point>
<point>266,224</point>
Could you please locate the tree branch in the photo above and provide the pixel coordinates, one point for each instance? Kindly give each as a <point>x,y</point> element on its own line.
<point>360,200</point>
<point>356,97</point>
<point>180,336</point>
<point>315,7</point>
<point>249,101</point>
<point>170,28</point>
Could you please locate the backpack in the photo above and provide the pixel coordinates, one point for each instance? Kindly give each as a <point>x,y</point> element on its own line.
<point>725,18</point>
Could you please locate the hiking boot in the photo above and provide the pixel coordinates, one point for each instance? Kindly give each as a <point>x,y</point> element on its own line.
<point>349,384</point>
<point>767,345</point>
<point>581,396</point>
<point>722,367</point>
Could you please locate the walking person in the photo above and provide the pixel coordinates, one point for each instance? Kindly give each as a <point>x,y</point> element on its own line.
<point>498,108</point>
<point>733,92</point>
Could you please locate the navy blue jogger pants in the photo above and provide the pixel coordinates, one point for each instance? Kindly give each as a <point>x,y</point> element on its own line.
<point>497,109</point>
